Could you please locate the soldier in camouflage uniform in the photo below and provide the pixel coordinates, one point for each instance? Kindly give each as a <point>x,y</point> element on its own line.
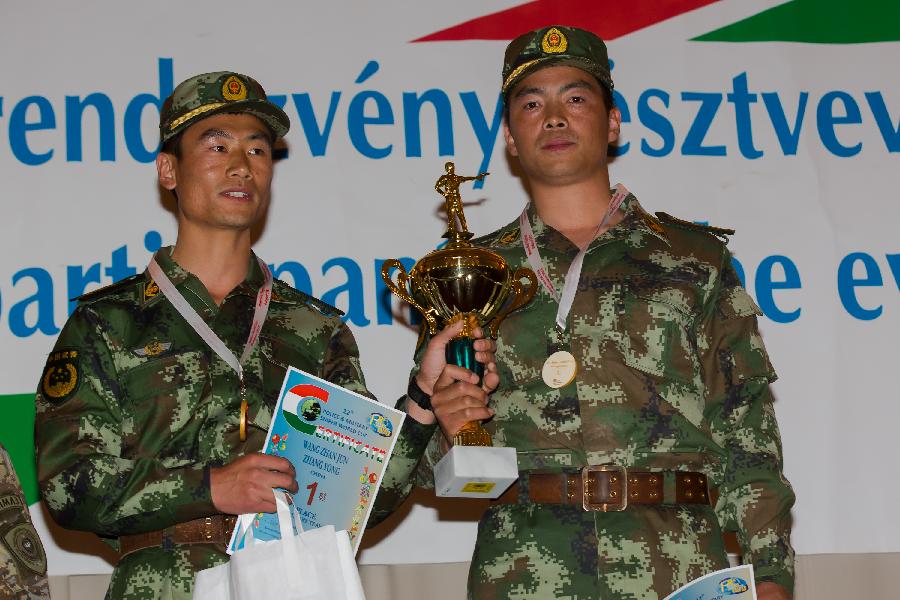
<point>138,420</point>
<point>23,564</point>
<point>671,393</point>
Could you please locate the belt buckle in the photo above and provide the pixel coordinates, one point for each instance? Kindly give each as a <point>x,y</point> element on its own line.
<point>615,471</point>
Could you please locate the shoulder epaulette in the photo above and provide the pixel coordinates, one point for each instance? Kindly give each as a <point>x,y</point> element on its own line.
<point>105,291</point>
<point>720,232</point>
<point>323,307</point>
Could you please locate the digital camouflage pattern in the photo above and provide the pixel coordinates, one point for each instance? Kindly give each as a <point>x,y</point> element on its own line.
<point>134,408</point>
<point>23,564</point>
<point>672,375</point>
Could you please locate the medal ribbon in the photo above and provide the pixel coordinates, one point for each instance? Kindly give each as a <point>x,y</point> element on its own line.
<point>263,298</point>
<point>570,286</point>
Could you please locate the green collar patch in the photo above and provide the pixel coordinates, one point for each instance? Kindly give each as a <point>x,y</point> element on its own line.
<point>510,237</point>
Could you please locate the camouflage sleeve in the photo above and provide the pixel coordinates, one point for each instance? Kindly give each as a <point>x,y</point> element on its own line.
<point>341,364</point>
<point>406,469</point>
<point>23,563</point>
<point>86,481</point>
<point>754,499</point>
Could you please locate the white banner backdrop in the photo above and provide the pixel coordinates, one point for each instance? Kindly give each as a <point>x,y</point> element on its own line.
<point>793,144</point>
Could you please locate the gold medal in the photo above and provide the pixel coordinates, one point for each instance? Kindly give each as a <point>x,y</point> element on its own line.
<point>559,369</point>
<point>244,409</point>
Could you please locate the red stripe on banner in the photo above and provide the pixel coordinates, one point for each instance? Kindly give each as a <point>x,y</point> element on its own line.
<point>305,389</point>
<point>607,18</point>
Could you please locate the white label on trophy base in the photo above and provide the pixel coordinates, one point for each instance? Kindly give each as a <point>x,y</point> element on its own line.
<point>475,472</point>
<point>559,369</point>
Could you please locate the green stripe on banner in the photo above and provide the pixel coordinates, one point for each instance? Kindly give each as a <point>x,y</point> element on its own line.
<point>17,434</point>
<point>817,22</point>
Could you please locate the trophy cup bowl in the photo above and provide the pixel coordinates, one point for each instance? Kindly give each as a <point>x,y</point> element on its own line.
<point>465,283</point>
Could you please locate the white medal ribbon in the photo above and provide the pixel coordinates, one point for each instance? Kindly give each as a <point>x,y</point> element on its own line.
<point>263,298</point>
<point>571,283</point>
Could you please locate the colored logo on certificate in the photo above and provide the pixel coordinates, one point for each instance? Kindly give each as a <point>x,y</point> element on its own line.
<point>302,406</point>
<point>733,585</point>
<point>381,425</point>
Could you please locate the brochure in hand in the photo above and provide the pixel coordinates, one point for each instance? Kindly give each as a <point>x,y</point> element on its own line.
<point>339,442</point>
<point>735,583</point>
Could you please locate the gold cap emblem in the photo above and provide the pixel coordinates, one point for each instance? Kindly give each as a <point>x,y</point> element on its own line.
<point>234,89</point>
<point>554,42</point>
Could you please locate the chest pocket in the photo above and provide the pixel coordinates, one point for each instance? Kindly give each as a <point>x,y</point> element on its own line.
<point>182,374</point>
<point>656,333</point>
<point>163,396</point>
<point>522,347</point>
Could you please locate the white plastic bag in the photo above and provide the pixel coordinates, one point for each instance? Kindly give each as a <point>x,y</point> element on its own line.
<point>312,565</point>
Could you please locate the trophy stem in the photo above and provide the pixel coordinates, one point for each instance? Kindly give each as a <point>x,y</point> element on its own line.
<point>461,352</point>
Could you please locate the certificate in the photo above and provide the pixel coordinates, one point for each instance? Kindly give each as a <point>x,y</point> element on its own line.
<point>339,442</point>
<point>735,583</point>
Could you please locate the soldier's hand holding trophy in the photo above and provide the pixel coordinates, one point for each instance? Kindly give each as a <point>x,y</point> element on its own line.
<point>475,286</point>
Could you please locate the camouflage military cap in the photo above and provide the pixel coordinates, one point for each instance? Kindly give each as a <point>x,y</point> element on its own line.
<point>208,94</point>
<point>555,45</point>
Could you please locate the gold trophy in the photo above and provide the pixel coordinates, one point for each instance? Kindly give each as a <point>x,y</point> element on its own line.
<point>475,285</point>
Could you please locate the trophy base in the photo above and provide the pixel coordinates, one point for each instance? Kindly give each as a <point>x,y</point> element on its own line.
<point>475,472</point>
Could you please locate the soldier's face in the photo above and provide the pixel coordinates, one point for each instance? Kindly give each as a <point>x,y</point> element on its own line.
<point>224,174</point>
<point>559,127</point>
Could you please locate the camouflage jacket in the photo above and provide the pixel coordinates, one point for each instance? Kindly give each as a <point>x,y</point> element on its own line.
<point>672,375</point>
<point>23,564</point>
<point>134,408</point>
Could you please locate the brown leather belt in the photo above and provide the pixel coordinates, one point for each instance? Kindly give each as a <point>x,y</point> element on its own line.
<point>610,488</point>
<point>210,530</point>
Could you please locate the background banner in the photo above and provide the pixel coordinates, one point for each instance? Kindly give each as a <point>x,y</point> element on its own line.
<point>778,118</point>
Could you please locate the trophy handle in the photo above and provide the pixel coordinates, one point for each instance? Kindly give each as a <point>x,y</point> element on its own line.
<point>521,297</point>
<point>400,290</point>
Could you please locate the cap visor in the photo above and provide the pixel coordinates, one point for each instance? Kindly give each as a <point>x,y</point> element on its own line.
<point>585,65</point>
<point>274,118</point>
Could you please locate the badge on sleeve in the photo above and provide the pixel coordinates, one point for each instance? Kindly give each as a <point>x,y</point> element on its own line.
<point>24,545</point>
<point>61,376</point>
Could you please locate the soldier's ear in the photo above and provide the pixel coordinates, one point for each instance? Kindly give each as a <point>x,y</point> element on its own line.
<point>166,170</point>
<point>615,125</point>
<point>510,141</point>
